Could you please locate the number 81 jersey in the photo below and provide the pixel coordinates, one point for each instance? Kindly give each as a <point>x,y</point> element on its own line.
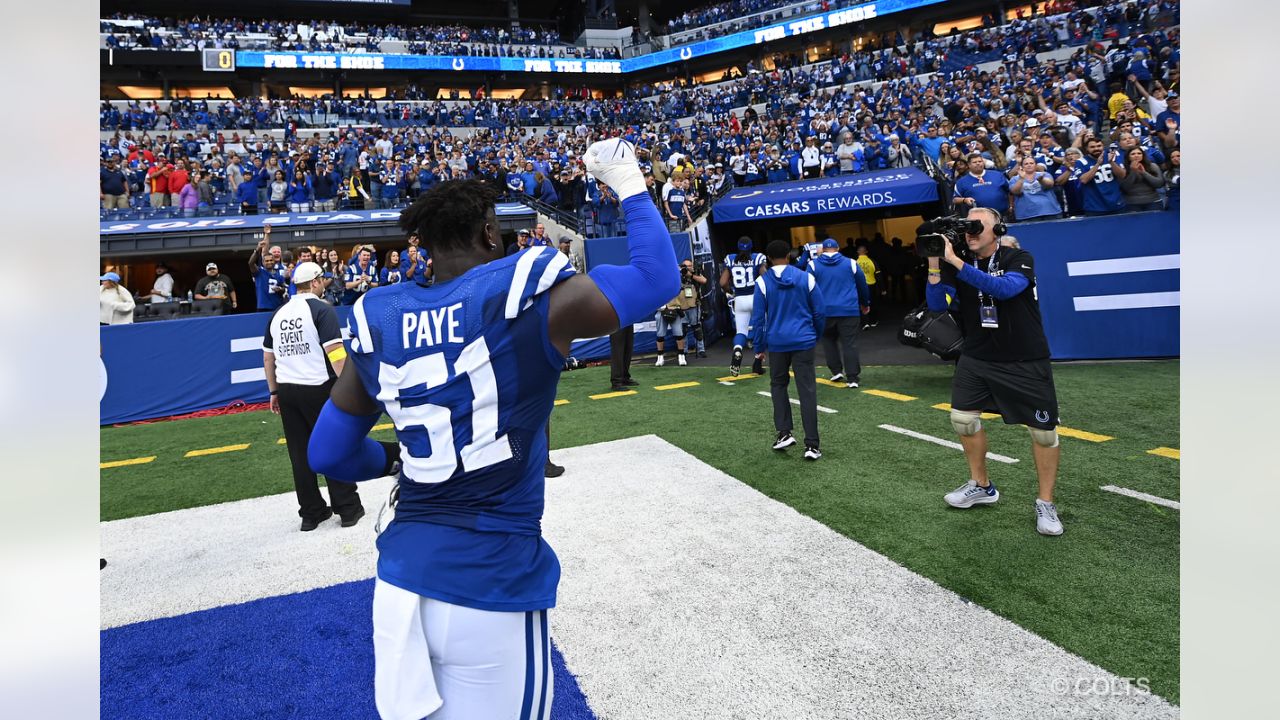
<point>467,373</point>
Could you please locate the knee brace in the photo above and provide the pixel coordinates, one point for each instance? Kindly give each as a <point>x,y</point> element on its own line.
<point>966,423</point>
<point>1044,438</point>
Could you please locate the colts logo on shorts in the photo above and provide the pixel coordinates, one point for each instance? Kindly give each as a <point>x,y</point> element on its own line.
<point>1042,416</point>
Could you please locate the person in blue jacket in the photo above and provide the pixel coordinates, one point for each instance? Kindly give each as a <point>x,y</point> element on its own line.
<point>787,318</point>
<point>844,287</point>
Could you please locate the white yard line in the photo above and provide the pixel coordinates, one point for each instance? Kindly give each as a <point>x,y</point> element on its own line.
<point>944,443</point>
<point>1142,496</point>
<point>821,408</point>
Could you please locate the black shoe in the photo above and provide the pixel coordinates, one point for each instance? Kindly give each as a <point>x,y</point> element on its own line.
<point>309,524</point>
<point>353,518</point>
<point>757,366</point>
<point>811,452</point>
<point>784,441</point>
<point>735,365</point>
<point>552,470</point>
<point>617,387</point>
<point>702,353</point>
<point>630,383</point>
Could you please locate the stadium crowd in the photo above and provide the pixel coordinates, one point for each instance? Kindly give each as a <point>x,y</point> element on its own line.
<point>813,123</point>
<point>130,31</point>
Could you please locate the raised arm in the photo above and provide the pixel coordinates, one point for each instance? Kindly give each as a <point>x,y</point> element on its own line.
<point>613,296</point>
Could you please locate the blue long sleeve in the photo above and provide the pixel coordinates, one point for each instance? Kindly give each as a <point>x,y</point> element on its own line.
<point>1000,288</point>
<point>758,336</point>
<point>936,296</point>
<point>340,447</point>
<point>818,306</point>
<point>637,290</point>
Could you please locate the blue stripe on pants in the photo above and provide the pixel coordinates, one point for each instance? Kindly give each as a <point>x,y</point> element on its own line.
<point>546,642</point>
<point>527,706</point>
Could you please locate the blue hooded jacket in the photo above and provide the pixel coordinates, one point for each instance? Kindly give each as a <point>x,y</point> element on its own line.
<point>843,285</point>
<point>788,312</point>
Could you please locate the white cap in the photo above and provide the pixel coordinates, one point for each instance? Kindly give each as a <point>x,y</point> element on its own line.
<point>306,272</point>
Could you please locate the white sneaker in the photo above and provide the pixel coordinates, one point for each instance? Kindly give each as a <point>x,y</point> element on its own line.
<point>811,452</point>
<point>662,360</point>
<point>837,377</point>
<point>852,384</point>
<point>1047,522</point>
<point>680,360</point>
<point>784,441</point>
<point>969,494</point>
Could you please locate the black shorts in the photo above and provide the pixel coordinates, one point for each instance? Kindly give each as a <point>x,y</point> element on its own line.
<point>1021,392</point>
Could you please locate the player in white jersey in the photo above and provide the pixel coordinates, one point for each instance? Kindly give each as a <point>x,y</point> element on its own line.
<point>738,279</point>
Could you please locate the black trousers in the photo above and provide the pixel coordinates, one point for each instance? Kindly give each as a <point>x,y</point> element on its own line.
<point>621,343</point>
<point>840,345</point>
<point>801,361</point>
<point>300,407</point>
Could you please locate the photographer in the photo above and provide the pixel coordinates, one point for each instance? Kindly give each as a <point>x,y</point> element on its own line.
<point>689,275</point>
<point>1004,363</point>
<point>674,314</point>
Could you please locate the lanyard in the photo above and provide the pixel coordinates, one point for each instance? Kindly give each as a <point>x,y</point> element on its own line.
<point>992,268</point>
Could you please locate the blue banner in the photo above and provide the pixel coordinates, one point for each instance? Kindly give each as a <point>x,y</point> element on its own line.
<point>777,31</point>
<point>883,188</point>
<point>1109,287</point>
<point>404,61</point>
<point>401,61</point>
<point>173,367</point>
<point>249,222</point>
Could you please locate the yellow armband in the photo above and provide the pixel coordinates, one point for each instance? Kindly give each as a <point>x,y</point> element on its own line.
<point>337,354</point>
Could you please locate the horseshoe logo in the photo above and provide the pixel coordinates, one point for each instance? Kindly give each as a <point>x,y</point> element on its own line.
<point>686,53</point>
<point>1042,416</point>
<point>459,64</point>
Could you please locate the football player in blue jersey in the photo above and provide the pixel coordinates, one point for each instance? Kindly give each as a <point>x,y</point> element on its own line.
<point>738,279</point>
<point>467,369</point>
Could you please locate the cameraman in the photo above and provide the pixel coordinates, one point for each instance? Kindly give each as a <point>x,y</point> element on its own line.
<point>690,277</point>
<point>1004,362</point>
<point>674,314</point>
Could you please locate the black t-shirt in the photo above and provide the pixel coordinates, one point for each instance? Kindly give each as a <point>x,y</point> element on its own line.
<point>1020,336</point>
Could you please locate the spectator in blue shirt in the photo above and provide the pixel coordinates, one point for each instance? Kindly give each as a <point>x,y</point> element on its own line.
<point>299,192</point>
<point>391,273</point>
<point>1034,194</point>
<point>268,282</point>
<point>1100,179</point>
<point>325,187</point>
<point>606,211</point>
<point>982,187</point>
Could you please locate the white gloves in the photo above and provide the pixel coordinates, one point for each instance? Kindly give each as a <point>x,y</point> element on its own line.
<point>613,162</point>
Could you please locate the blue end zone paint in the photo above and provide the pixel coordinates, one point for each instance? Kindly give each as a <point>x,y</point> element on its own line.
<point>307,655</point>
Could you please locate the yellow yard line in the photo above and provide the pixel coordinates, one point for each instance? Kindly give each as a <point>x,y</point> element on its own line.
<point>733,378</point>
<point>676,386</point>
<point>1083,435</point>
<point>561,402</point>
<point>832,383</point>
<point>217,450</point>
<point>1171,453</point>
<point>606,396</point>
<point>123,463</point>
<point>891,395</point>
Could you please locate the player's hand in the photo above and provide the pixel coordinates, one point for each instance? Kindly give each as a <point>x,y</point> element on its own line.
<point>866,309</point>
<point>613,162</point>
<point>275,404</point>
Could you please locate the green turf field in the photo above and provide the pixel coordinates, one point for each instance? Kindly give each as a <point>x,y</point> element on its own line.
<point>1107,589</point>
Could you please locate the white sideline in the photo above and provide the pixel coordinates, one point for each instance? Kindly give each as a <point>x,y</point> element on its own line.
<point>944,443</point>
<point>821,408</point>
<point>1142,496</point>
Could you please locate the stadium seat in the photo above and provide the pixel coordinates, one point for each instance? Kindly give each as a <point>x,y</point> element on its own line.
<point>204,308</point>
<point>164,311</point>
